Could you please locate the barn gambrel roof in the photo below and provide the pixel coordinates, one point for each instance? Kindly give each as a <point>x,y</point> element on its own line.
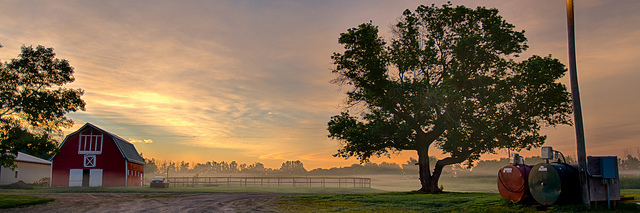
<point>126,148</point>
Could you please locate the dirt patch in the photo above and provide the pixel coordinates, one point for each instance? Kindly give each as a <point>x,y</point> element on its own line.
<point>154,202</point>
<point>18,185</point>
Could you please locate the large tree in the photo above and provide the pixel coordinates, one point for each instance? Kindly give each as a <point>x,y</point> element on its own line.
<point>33,102</point>
<point>448,78</point>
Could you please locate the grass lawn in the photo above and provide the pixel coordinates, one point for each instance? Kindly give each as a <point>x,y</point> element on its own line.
<point>12,201</point>
<point>338,199</point>
<point>445,202</point>
<point>398,183</point>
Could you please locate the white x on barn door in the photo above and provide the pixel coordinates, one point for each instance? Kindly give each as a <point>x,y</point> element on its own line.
<point>89,161</point>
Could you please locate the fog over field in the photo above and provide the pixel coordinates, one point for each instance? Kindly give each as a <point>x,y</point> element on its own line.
<point>482,177</point>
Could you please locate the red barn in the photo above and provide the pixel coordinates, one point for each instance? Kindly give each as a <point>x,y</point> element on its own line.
<point>94,157</point>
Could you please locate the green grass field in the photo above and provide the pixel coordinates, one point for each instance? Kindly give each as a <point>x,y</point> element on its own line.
<point>398,183</point>
<point>12,201</point>
<point>470,194</point>
<point>445,202</point>
<point>339,199</point>
<point>630,182</point>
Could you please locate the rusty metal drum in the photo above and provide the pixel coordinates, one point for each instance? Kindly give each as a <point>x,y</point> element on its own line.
<point>513,183</point>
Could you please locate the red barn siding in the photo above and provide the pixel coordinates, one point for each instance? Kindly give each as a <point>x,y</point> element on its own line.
<point>134,174</point>
<point>111,161</point>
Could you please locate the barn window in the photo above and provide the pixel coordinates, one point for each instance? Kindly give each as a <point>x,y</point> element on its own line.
<point>90,142</point>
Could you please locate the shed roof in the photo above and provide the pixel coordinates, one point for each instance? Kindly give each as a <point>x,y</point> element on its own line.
<point>24,157</point>
<point>127,149</point>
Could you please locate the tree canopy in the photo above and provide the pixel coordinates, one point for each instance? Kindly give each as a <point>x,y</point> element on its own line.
<point>447,78</point>
<point>33,102</point>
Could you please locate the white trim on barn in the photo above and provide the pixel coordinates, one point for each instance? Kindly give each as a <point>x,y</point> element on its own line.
<point>126,176</point>
<point>76,177</point>
<point>89,160</point>
<point>90,143</point>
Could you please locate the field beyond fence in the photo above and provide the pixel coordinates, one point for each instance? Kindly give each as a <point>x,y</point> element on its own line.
<point>339,182</point>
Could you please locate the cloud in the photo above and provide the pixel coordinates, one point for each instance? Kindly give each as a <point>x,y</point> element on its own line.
<point>252,77</point>
<point>133,140</point>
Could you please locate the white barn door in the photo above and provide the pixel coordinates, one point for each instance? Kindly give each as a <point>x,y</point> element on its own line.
<point>75,177</point>
<point>95,177</point>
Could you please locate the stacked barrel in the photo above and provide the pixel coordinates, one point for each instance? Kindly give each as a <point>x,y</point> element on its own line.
<point>513,181</point>
<point>545,183</point>
<point>555,183</point>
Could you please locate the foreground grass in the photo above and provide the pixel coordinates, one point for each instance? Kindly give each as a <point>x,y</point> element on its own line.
<point>413,202</point>
<point>12,201</point>
<point>399,202</point>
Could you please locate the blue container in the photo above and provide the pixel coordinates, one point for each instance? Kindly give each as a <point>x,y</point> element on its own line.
<point>555,183</point>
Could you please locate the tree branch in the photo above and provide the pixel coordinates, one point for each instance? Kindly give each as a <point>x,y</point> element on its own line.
<point>455,158</point>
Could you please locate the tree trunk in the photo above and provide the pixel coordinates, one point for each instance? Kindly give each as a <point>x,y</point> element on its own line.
<point>428,182</point>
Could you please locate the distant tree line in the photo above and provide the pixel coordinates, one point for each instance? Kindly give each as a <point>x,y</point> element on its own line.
<point>629,162</point>
<point>211,168</point>
<point>296,168</point>
<point>154,167</point>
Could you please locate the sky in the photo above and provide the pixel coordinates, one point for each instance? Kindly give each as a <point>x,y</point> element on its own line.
<point>248,81</point>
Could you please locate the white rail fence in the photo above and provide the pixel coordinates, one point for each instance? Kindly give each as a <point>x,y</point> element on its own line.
<point>346,182</point>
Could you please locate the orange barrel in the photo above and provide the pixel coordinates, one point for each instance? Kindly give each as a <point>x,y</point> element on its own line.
<point>513,183</point>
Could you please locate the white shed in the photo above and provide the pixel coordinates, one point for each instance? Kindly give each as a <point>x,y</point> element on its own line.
<point>29,169</point>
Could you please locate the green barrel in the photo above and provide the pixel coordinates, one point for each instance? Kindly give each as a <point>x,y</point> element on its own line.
<point>554,183</point>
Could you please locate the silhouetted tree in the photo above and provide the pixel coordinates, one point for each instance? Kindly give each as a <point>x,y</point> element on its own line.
<point>202,168</point>
<point>293,167</point>
<point>167,168</point>
<point>150,166</point>
<point>255,168</point>
<point>33,102</point>
<point>184,166</point>
<point>233,167</point>
<point>630,163</point>
<point>448,78</point>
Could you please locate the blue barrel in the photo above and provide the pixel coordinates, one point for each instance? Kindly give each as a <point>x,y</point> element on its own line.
<point>555,183</point>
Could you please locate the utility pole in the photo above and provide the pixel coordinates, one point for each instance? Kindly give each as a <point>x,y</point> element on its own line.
<point>577,108</point>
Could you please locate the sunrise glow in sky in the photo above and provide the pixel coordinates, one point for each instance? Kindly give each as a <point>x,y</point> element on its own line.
<point>249,80</point>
